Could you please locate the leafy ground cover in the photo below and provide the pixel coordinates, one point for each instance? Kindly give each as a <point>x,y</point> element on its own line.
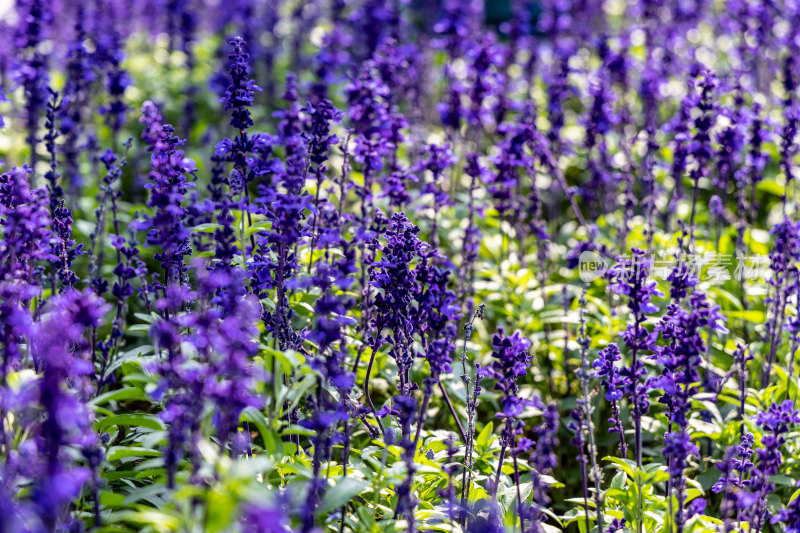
<point>271,266</point>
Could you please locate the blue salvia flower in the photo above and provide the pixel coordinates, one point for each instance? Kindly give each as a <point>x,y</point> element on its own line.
<point>169,169</point>
<point>728,484</point>
<point>181,26</point>
<point>24,226</point>
<point>741,357</point>
<point>736,468</point>
<point>242,151</point>
<point>558,91</point>
<point>16,328</point>
<point>394,277</point>
<point>545,437</point>
<point>730,152</point>
<point>629,278</point>
<point>60,348</point>
<point>238,99</point>
<point>791,114</point>
<point>54,189</point>
<point>776,420</point>
<point>471,241</point>
<point>437,307</point>
<point>320,142</point>
<point>437,314</point>
<point>681,138</point>
<point>617,526</point>
<point>181,408</point>
<point>678,447</point>
<point>613,382</point>
<point>240,93</point>
<point>458,24</point>
<point>31,72</point>
<point>77,85</point>
<point>406,414</point>
<point>789,516</point>
<point>224,332</point>
<point>785,250</point>
<point>265,518</point>
<point>615,385</point>
<point>510,360</point>
<point>63,246</point>
<point>370,116</point>
<point>109,55</point>
<point>700,147</point>
<point>334,54</point>
<point>504,182</point>
<point>437,160</point>
<point>284,202</point>
<point>325,412</point>
<point>682,356</point>
<point>484,79</point>
<point>601,119</point>
<point>577,425</point>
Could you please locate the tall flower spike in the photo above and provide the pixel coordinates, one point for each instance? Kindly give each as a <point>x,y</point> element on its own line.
<point>615,385</point>
<point>320,142</point>
<point>76,95</point>
<point>284,202</point>
<point>24,222</point>
<point>629,278</point>
<point>31,73</point>
<point>776,421</point>
<point>395,278</point>
<point>168,174</point>
<point>62,351</point>
<point>510,361</point>
<point>240,93</point>
<point>238,98</point>
<point>789,516</point>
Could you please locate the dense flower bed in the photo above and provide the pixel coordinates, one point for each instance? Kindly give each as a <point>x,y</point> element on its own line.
<point>371,265</point>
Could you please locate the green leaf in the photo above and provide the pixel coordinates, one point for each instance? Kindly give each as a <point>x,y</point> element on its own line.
<point>127,393</point>
<point>115,453</point>
<point>483,439</point>
<point>344,491</point>
<point>208,227</point>
<point>138,420</point>
<point>111,499</point>
<point>624,465</point>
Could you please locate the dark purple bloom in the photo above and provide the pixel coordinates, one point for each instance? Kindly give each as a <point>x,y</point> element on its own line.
<point>31,72</point>
<point>61,350</point>
<point>682,356</point>
<point>629,277</point>
<point>395,279</point>
<point>777,421</point>
<point>510,361</point>
<point>63,246</point>
<point>168,172</point>
<point>240,93</point>
<point>789,516</point>
<point>615,385</point>
<point>80,76</point>
<point>24,225</point>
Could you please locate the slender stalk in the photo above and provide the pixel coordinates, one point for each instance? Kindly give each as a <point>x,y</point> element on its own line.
<point>471,401</point>
<point>588,410</point>
<point>497,473</point>
<point>452,411</point>
<point>519,496</point>
<point>422,412</point>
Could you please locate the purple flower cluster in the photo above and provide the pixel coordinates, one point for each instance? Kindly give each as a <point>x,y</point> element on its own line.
<point>202,304</point>
<point>510,361</point>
